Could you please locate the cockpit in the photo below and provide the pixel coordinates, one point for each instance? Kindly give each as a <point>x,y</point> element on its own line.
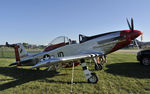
<point>59,42</point>
<point>62,41</point>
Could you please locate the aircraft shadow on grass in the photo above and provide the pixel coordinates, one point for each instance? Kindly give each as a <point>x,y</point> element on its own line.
<point>129,69</point>
<point>22,76</point>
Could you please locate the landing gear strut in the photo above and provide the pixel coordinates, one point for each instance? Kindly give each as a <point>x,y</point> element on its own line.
<point>99,61</point>
<point>98,66</point>
<point>91,77</point>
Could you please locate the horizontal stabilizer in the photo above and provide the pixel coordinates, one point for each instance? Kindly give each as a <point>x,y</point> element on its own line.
<point>15,63</point>
<point>24,62</point>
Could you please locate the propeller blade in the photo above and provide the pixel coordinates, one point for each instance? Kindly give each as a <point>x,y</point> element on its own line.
<point>132,25</point>
<point>135,41</point>
<point>142,37</point>
<point>129,24</point>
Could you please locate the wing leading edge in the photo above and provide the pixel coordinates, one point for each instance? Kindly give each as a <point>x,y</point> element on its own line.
<point>55,61</point>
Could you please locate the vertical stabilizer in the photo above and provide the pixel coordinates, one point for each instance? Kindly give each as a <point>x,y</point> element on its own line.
<point>20,51</point>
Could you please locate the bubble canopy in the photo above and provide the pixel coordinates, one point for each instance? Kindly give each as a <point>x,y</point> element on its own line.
<point>60,39</point>
<point>58,42</point>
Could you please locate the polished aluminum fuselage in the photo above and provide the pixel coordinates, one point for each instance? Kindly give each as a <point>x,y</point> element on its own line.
<point>103,44</point>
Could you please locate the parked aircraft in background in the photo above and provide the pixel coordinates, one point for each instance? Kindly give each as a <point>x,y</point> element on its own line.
<point>142,44</point>
<point>63,51</point>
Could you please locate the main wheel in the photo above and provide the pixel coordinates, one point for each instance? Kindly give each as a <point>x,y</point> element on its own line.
<point>98,67</point>
<point>146,61</point>
<point>93,79</point>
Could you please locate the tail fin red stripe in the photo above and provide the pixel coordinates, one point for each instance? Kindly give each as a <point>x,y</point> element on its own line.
<point>16,52</point>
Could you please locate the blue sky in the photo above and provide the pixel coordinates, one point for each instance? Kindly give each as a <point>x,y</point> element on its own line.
<point>40,21</point>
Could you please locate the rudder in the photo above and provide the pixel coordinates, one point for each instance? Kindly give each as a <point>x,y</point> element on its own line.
<point>20,51</point>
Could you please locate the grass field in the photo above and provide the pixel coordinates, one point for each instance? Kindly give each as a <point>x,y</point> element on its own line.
<point>6,52</point>
<point>121,75</point>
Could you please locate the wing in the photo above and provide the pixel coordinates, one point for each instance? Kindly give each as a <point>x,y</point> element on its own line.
<point>55,61</point>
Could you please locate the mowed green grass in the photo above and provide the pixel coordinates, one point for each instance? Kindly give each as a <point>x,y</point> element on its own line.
<point>9,52</point>
<point>121,75</point>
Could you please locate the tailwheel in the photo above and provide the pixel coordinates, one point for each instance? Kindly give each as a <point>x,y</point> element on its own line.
<point>93,79</point>
<point>98,67</point>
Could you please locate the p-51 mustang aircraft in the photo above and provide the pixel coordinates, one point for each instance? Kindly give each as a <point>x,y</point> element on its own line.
<point>63,51</point>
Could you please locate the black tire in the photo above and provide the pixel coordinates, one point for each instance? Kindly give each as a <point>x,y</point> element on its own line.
<point>98,67</point>
<point>145,61</point>
<point>93,79</point>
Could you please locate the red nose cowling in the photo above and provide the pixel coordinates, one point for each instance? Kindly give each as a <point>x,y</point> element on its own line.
<point>129,35</point>
<point>134,34</point>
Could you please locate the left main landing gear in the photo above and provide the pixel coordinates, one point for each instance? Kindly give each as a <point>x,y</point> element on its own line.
<point>91,77</point>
